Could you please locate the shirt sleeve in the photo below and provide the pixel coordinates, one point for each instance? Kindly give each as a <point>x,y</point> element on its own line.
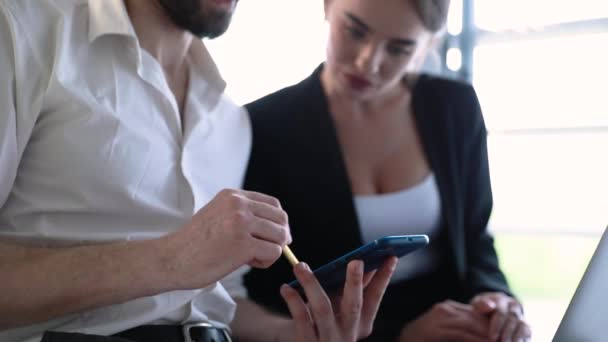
<point>233,283</point>
<point>21,83</point>
<point>9,151</point>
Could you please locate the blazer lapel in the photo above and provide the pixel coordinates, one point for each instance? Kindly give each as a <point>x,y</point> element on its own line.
<point>329,177</point>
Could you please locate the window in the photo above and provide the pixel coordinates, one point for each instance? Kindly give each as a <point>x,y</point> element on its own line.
<point>543,101</point>
<point>499,15</point>
<point>539,68</point>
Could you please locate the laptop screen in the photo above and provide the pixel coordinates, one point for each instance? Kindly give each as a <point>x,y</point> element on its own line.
<point>586,319</point>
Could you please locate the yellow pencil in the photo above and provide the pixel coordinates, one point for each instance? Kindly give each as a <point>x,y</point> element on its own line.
<point>290,256</point>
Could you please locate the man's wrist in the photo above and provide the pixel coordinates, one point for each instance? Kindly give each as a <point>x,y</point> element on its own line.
<point>163,267</point>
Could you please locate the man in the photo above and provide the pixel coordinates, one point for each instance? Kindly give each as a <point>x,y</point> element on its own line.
<point>117,146</point>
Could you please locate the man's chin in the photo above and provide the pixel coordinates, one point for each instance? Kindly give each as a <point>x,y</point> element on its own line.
<point>222,5</point>
<point>213,27</point>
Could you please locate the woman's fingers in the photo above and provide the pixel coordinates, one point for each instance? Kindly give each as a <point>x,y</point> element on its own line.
<point>305,327</point>
<point>317,321</point>
<point>352,299</point>
<point>372,296</point>
<point>318,303</point>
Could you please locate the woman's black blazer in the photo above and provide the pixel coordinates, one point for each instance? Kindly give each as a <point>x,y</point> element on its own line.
<point>296,157</point>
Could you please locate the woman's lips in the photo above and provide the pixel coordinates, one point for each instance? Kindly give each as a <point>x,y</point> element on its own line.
<point>358,82</point>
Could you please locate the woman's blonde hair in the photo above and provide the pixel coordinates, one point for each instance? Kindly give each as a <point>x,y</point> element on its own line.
<point>434,13</point>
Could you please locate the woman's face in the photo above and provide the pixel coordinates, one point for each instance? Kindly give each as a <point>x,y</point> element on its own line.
<point>372,45</point>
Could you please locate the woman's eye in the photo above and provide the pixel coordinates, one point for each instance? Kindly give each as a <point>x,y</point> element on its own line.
<point>398,51</point>
<point>356,33</point>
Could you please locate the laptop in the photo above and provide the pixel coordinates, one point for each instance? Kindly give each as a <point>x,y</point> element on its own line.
<point>586,319</point>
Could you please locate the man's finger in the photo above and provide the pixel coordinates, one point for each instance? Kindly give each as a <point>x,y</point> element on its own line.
<point>264,253</point>
<point>263,229</point>
<point>268,212</point>
<point>260,197</point>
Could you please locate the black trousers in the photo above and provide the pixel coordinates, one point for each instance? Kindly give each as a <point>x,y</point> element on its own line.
<point>51,336</point>
<point>147,333</point>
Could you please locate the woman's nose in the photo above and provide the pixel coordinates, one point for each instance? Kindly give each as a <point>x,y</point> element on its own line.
<point>368,60</point>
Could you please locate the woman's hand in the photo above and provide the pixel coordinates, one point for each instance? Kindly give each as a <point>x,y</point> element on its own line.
<point>506,317</point>
<point>352,315</point>
<point>447,321</point>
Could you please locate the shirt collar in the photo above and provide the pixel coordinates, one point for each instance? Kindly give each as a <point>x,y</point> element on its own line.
<point>203,62</point>
<point>109,17</point>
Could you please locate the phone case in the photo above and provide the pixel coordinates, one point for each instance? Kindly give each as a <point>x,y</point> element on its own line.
<point>332,275</point>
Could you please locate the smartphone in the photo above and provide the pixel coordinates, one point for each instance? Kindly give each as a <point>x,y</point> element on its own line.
<point>332,275</point>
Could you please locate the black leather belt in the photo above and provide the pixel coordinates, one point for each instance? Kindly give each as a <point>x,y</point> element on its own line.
<point>196,332</point>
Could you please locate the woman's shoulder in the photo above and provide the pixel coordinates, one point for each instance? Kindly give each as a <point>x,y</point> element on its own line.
<point>451,89</point>
<point>274,100</point>
<point>292,97</point>
<point>451,103</point>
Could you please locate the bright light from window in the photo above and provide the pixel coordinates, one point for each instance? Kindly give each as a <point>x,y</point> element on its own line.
<point>495,15</point>
<point>454,59</point>
<point>270,44</point>
<point>544,83</point>
<point>549,182</point>
<point>455,17</point>
<point>555,180</point>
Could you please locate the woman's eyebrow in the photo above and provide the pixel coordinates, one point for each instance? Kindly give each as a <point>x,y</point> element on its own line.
<point>357,21</point>
<point>362,25</point>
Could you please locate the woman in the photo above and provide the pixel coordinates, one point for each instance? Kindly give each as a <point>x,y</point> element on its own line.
<point>366,147</point>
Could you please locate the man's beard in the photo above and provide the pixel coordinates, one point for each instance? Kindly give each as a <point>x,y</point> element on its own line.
<point>189,15</point>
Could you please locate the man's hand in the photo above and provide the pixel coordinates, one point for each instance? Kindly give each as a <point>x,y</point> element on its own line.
<point>506,317</point>
<point>447,321</point>
<point>235,228</point>
<point>350,318</point>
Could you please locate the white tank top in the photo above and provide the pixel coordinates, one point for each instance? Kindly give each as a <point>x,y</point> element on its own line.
<point>415,210</point>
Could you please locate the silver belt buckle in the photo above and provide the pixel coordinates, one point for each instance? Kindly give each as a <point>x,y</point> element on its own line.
<point>186,330</point>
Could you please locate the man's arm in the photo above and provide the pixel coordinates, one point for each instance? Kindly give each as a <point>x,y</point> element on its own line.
<point>38,283</point>
<point>235,228</point>
<point>41,283</point>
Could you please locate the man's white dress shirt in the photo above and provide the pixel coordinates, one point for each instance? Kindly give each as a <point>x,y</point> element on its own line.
<point>93,149</point>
